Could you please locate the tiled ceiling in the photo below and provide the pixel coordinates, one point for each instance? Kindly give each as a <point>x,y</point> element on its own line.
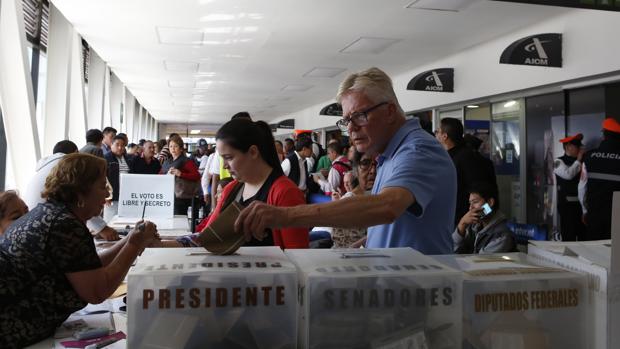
<point>201,61</point>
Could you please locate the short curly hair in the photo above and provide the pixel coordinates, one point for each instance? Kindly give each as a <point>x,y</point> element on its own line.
<point>73,175</point>
<point>7,200</point>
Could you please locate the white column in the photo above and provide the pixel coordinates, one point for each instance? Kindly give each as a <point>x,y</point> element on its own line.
<point>149,125</point>
<point>96,91</point>
<point>141,123</point>
<point>130,102</point>
<point>116,98</point>
<point>16,97</point>
<point>58,63</point>
<point>107,117</point>
<point>136,120</point>
<point>77,95</point>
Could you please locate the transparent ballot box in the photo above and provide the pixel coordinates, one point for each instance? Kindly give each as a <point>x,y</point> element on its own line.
<point>376,298</point>
<point>511,302</point>
<point>189,298</point>
<point>592,258</point>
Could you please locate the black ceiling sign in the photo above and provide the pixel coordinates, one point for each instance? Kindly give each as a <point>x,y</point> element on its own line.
<point>543,50</point>
<point>334,109</point>
<point>288,124</point>
<point>605,5</point>
<point>274,127</point>
<point>436,80</point>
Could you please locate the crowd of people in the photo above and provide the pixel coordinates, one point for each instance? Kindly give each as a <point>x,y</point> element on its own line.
<point>391,185</point>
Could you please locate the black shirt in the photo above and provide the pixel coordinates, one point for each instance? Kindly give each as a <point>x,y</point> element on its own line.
<point>35,253</point>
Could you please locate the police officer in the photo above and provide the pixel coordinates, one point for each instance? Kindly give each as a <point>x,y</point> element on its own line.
<point>600,178</point>
<point>567,169</point>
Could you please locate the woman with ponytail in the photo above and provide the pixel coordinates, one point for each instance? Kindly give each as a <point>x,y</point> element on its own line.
<point>249,154</point>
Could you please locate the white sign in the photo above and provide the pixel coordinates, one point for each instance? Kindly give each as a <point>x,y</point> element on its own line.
<point>152,193</point>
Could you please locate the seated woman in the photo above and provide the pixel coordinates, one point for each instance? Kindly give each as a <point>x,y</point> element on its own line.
<point>48,261</point>
<point>483,233</point>
<point>248,151</point>
<point>11,208</point>
<point>367,171</point>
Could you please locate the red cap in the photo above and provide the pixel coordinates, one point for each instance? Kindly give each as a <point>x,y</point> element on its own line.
<point>572,139</point>
<point>611,124</point>
<point>298,132</point>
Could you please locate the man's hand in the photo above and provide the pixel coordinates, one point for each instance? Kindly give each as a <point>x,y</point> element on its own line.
<point>107,234</point>
<point>257,217</point>
<point>471,217</point>
<point>336,196</point>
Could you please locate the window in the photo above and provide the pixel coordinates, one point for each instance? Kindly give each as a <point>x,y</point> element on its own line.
<point>506,154</point>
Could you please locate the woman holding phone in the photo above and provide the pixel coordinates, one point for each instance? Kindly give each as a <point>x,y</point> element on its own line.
<point>483,228</point>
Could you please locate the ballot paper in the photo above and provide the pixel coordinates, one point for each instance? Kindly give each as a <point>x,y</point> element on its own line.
<point>220,237</point>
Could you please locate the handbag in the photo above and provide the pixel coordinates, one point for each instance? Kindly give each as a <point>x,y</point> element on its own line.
<point>184,189</point>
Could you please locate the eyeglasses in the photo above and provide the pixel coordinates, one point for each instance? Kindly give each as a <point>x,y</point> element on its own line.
<point>358,119</point>
<point>365,164</point>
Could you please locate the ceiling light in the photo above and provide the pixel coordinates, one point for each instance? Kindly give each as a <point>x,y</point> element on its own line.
<point>509,104</point>
<point>472,106</point>
<point>212,42</point>
<point>194,132</point>
<point>439,5</point>
<point>207,74</point>
<point>369,45</point>
<point>182,83</point>
<point>179,36</point>
<point>296,88</point>
<point>228,55</point>
<point>217,17</point>
<point>218,30</point>
<point>323,72</point>
<point>181,66</point>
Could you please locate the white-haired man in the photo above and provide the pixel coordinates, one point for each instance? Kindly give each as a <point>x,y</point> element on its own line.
<point>414,195</point>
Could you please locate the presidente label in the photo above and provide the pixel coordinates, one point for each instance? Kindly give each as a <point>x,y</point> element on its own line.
<point>218,297</point>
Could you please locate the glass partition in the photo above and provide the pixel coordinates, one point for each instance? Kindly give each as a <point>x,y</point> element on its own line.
<point>506,154</point>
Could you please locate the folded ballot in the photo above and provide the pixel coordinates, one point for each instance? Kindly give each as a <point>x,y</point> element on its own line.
<point>220,237</point>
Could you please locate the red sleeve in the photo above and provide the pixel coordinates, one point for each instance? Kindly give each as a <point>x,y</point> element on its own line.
<point>220,202</point>
<point>190,172</point>
<point>284,193</point>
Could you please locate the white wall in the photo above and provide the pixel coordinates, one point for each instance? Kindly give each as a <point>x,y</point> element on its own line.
<point>590,47</point>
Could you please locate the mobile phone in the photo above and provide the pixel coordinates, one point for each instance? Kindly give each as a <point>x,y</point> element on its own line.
<point>486,210</point>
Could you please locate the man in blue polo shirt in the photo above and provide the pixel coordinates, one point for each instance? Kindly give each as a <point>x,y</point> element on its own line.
<point>414,195</point>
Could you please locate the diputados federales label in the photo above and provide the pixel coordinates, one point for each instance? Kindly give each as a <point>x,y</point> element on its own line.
<point>526,300</point>
<point>189,298</point>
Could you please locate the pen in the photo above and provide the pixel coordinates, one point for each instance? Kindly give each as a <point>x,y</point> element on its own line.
<point>141,225</point>
<point>143,210</point>
<point>103,343</point>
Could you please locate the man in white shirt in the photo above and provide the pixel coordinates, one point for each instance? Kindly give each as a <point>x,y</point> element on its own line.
<point>295,166</point>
